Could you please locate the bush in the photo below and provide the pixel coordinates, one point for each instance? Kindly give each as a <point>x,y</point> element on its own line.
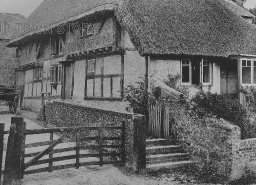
<point>205,143</point>
<point>138,97</point>
<point>221,107</point>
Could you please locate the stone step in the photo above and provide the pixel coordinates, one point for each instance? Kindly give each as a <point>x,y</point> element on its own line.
<point>164,158</point>
<point>157,142</point>
<point>170,165</point>
<point>163,149</point>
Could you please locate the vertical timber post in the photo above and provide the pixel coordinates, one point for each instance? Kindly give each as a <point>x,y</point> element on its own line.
<point>1,148</point>
<point>100,146</point>
<point>123,144</point>
<point>13,163</point>
<point>140,142</point>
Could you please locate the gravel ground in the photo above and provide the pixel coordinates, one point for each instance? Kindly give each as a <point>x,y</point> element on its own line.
<point>91,175</point>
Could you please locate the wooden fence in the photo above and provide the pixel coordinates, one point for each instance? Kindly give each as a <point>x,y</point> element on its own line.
<point>100,149</point>
<point>159,121</point>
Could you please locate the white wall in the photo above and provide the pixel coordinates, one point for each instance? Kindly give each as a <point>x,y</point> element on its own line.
<point>134,67</point>
<point>79,80</point>
<point>161,68</point>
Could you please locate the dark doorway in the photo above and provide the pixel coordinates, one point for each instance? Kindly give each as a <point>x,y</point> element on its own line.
<point>195,72</point>
<point>229,78</point>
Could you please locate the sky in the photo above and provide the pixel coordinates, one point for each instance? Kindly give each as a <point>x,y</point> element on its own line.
<point>25,7</point>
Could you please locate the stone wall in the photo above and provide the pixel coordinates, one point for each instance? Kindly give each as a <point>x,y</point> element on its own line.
<point>61,114</point>
<point>244,157</point>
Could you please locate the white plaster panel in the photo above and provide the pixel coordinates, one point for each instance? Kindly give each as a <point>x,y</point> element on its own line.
<point>79,80</point>
<point>134,67</point>
<point>112,65</point>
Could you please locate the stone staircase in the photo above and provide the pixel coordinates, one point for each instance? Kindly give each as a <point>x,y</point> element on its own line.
<point>162,154</point>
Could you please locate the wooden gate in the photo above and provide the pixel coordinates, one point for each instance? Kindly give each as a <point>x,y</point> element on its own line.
<point>77,146</point>
<point>94,149</point>
<point>159,121</point>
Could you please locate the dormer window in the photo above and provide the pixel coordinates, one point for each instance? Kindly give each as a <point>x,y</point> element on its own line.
<point>87,29</point>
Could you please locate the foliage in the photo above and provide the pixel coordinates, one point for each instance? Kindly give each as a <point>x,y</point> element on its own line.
<point>138,97</point>
<point>221,107</point>
<point>172,81</point>
<point>206,144</point>
<point>250,96</point>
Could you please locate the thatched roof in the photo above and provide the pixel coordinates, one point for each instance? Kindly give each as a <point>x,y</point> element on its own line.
<point>159,27</point>
<point>52,13</point>
<point>189,27</point>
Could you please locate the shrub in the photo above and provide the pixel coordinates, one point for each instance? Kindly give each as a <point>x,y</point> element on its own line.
<point>205,143</point>
<point>221,107</point>
<point>138,97</point>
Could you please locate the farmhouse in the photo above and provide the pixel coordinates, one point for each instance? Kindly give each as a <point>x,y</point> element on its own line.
<point>87,52</point>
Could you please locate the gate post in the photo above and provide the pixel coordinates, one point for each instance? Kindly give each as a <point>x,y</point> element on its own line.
<point>1,148</point>
<point>140,136</point>
<point>14,154</point>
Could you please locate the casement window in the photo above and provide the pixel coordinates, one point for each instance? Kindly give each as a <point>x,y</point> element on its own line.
<point>104,78</point>
<point>248,71</point>
<point>196,72</point>
<point>56,74</point>
<point>57,46</point>
<point>87,29</point>
<point>37,74</point>
<point>185,71</point>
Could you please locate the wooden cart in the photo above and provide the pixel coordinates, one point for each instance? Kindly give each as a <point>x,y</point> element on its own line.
<point>10,96</point>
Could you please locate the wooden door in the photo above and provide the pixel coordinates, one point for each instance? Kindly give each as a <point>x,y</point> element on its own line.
<point>229,79</point>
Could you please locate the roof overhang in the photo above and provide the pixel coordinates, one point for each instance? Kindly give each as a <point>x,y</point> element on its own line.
<point>106,7</point>
<point>242,56</point>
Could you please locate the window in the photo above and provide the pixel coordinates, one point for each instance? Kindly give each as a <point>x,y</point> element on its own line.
<point>38,74</point>
<point>104,78</point>
<point>206,72</point>
<point>248,71</point>
<point>195,72</point>
<point>87,29</point>
<point>185,71</point>
<point>53,74</point>
<point>56,73</point>
<point>57,46</point>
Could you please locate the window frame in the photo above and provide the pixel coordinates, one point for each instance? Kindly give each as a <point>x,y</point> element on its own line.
<point>252,83</point>
<point>190,72</point>
<point>103,76</point>
<point>37,74</point>
<point>201,72</point>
